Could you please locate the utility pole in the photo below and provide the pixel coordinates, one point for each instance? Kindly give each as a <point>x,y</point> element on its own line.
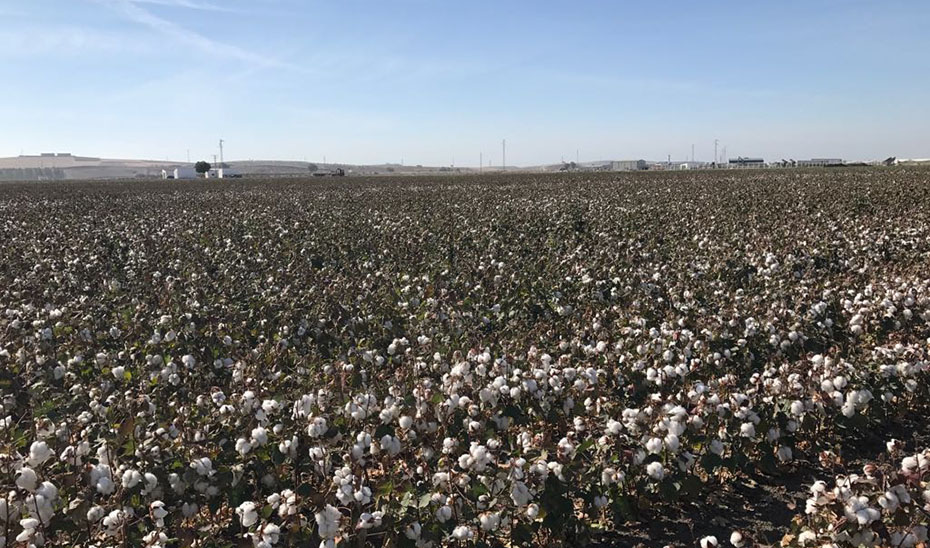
<point>504,155</point>
<point>221,153</point>
<point>692,153</point>
<point>716,158</point>
<point>577,161</point>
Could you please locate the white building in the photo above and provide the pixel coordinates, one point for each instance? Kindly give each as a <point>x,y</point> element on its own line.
<point>820,162</point>
<point>222,173</point>
<point>628,165</point>
<point>179,173</point>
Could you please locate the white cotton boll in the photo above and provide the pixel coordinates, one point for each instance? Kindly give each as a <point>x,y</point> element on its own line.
<point>520,494</point>
<point>368,520</point>
<point>158,512</point>
<point>709,542</point>
<point>614,428</point>
<point>747,430</point>
<point>118,372</point>
<point>444,513</point>
<point>807,537</point>
<point>203,466</point>
<point>848,409</point>
<point>189,509</point>
<point>490,521</point>
<point>95,514</point>
<point>243,446</point>
<point>737,540</point>
<point>462,532</point>
<point>105,485</point>
<point>405,422</point>
<point>857,509</point>
<point>27,479</point>
<point>532,511</point>
<point>259,436</point>
<point>655,470</point>
<point>247,514</point>
<point>318,427</point>
<point>29,526</point>
<point>654,445</point>
<point>413,531</point>
<point>784,454</point>
<point>270,407</point>
<point>131,478</point>
<point>39,452</point>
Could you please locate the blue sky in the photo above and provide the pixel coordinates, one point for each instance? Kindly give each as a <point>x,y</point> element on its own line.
<point>429,81</point>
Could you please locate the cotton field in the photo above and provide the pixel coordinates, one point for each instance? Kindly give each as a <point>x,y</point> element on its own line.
<point>529,360</point>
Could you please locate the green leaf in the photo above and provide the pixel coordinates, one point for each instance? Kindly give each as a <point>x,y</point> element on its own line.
<point>385,489</point>
<point>587,444</point>
<point>424,500</point>
<point>406,500</point>
<point>478,489</point>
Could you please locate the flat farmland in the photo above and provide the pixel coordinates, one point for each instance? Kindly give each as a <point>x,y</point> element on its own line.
<point>685,358</point>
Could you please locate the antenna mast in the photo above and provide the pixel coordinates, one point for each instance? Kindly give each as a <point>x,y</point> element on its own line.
<point>504,155</point>
<point>221,153</point>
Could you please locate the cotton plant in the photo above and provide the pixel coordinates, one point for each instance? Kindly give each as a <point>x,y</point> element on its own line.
<point>467,365</point>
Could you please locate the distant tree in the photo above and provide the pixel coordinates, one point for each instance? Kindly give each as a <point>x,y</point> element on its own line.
<point>313,168</point>
<point>202,167</point>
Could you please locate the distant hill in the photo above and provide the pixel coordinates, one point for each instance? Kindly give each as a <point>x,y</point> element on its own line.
<point>66,166</point>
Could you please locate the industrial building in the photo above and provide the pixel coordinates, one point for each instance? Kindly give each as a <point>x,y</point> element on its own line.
<point>628,165</point>
<point>820,162</point>
<point>741,162</point>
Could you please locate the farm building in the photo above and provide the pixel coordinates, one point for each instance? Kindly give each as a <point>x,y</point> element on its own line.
<point>741,162</point>
<point>628,165</point>
<point>820,162</point>
<point>223,173</point>
<point>179,173</point>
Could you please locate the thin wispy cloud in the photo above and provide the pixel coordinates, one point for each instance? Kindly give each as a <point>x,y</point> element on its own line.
<point>30,41</point>
<point>189,38</point>
<point>190,4</point>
